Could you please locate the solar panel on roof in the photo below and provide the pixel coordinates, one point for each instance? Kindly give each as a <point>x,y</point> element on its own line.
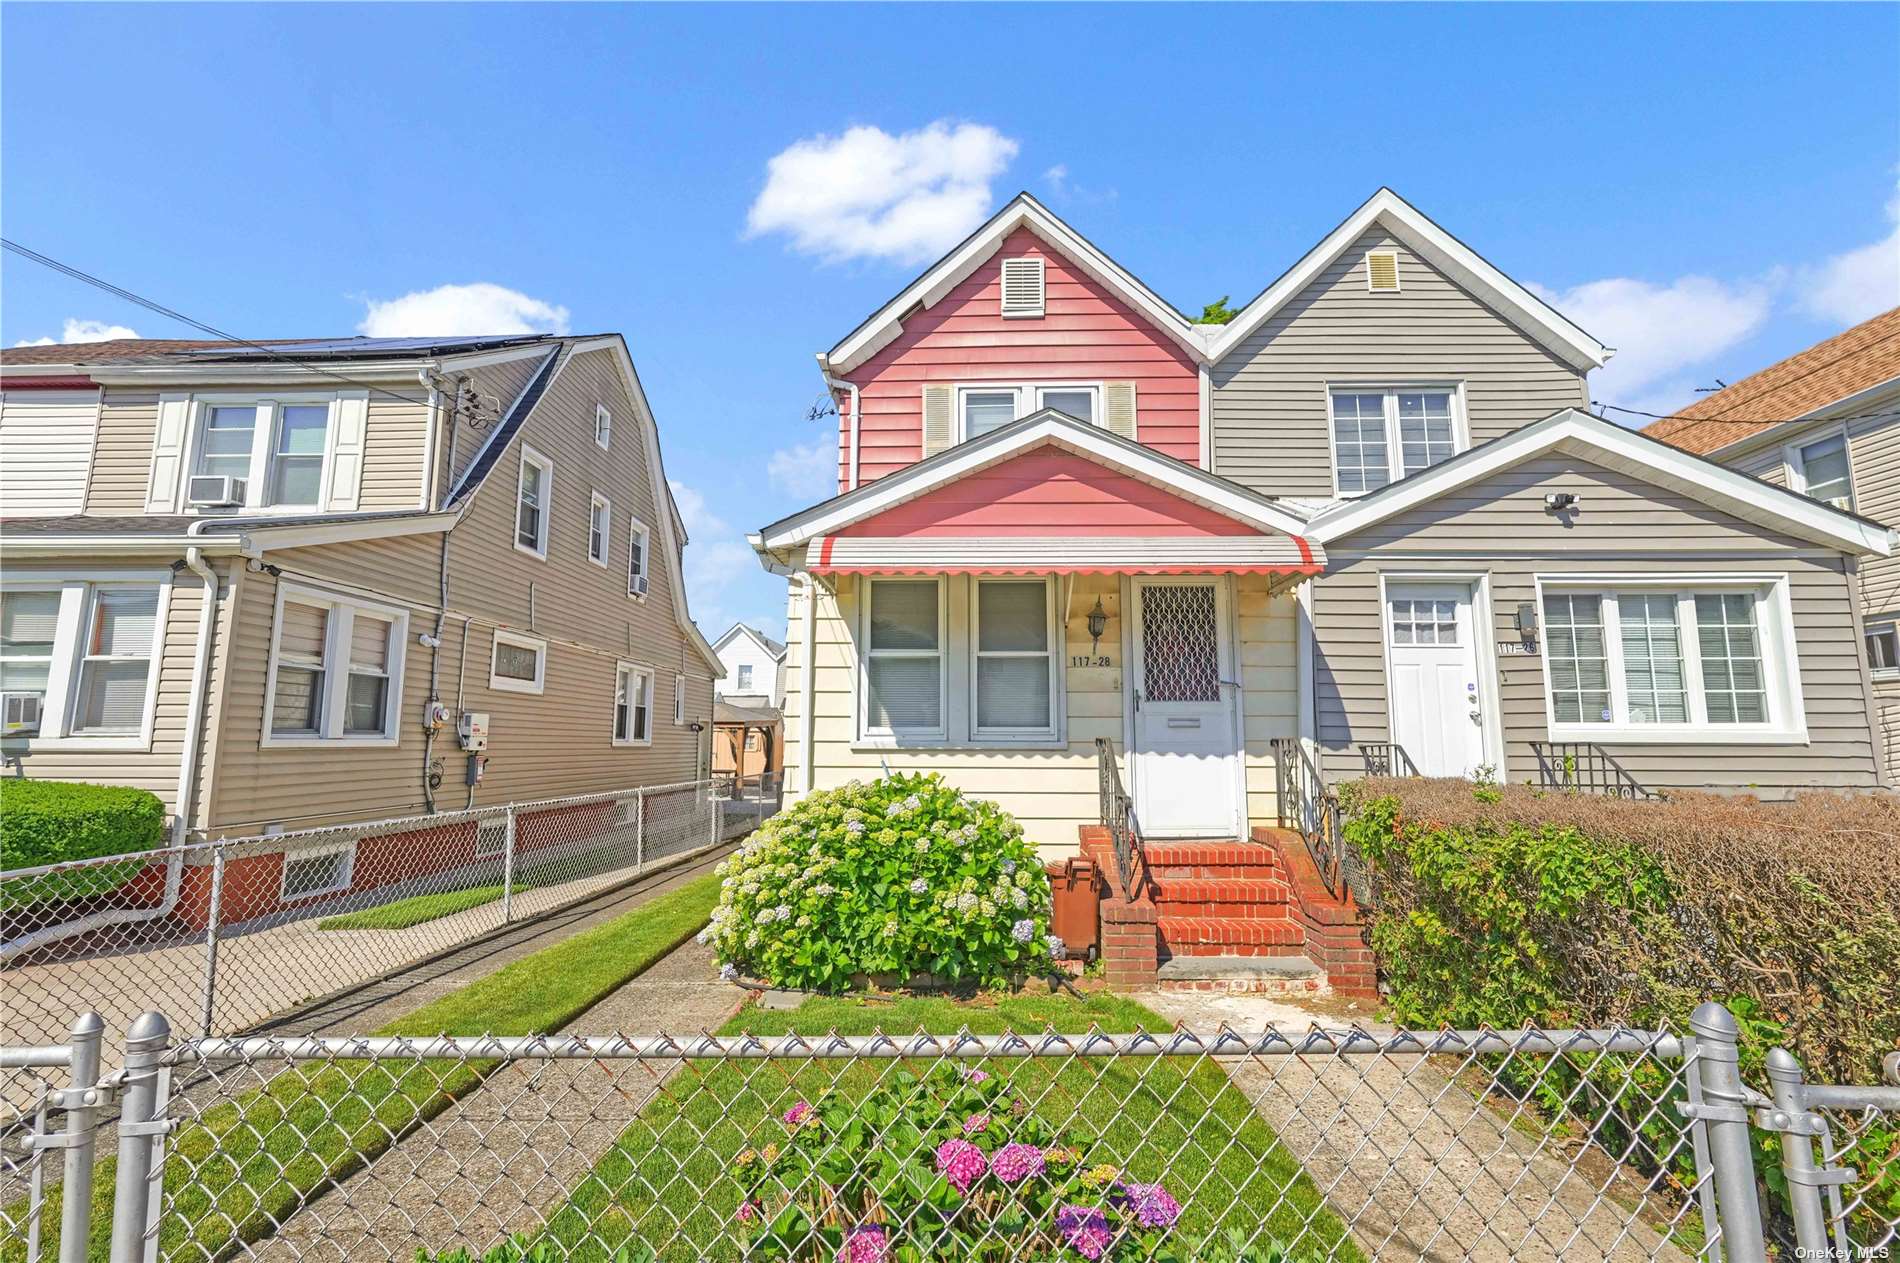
<point>354,346</point>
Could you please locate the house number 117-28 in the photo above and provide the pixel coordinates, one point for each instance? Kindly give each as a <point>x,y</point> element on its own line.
<point>1088,660</point>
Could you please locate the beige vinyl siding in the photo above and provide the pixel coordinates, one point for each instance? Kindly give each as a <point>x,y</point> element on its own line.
<point>1268,410</point>
<point>1051,791</point>
<point>122,454</point>
<point>46,439</point>
<point>1887,725</point>
<point>1499,528</point>
<point>393,457</point>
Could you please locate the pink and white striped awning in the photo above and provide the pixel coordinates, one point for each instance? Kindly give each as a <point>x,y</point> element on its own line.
<point>1064,554</point>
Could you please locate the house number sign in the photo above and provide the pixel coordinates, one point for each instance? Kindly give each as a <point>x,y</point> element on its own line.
<point>1091,660</point>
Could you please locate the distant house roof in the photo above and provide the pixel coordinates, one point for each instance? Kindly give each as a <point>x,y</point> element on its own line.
<point>757,716</point>
<point>174,350</point>
<point>765,642</point>
<point>1866,356</point>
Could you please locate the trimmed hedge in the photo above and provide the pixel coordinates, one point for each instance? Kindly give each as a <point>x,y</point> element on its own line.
<point>46,822</point>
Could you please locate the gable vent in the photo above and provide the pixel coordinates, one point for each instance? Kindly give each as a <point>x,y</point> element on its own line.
<point>1022,287</point>
<point>1382,270</point>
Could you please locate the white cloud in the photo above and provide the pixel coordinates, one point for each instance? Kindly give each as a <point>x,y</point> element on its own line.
<point>84,331</point>
<point>701,522</point>
<point>1661,332</point>
<point>713,565</point>
<point>1856,285</point>
<point>868,194</point>
<point>461,311</point>
<point>807,470</point>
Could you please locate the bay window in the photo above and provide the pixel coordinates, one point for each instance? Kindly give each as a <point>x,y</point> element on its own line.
<point>1013,658</point>
<point>1383,434</point>
<point>1668,661</point>
<point>903,658</point>
<point>335,672</point>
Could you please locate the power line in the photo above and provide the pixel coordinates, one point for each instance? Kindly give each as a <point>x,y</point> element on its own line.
<point>1677,416</point>
<point>150,305</point>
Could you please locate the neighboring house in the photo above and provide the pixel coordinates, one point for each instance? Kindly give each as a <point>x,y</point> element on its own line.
<point>270,584</point>
<point>1370,509</point>
<point>1825,422</point>
<point>752,662</point>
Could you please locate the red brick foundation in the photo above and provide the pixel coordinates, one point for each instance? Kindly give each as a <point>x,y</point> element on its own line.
<point>1335,930</point>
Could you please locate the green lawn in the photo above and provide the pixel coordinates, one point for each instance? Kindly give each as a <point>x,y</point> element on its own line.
<point>1158,1119</point>
<point>245,1165</point>
<point>415,910</point>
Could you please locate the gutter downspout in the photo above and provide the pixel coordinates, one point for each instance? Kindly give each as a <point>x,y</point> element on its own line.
<point>187,786</point>
<point>808,673</point>
<point>430,457</point>
<point>857,423</point>
<point>430,379</point>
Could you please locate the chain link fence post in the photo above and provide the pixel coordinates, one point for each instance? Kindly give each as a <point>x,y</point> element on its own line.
<point>215,911</point>
<point>1797,1153</point>
<point>717,807</point>
<point>141,1131</point>
<point>508,868</point>
<point>82,1121</point>
<point>639,830</point>
<point>1724,1118</point>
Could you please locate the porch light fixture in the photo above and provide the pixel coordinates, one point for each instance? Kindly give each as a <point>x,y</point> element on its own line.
<point>1098,623</point>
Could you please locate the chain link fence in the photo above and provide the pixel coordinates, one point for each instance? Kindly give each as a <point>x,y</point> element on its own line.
<point>225,935</point>
<point>1222,1147</point>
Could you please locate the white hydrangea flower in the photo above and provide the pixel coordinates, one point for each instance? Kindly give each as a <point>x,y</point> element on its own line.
<point>1009,868</point>
<point>919,885</point>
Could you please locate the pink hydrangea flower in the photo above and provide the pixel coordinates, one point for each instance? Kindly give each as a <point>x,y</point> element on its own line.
<point>1151,1204</point>
<point>866,1243</point>
<point>975,1123</point>
<point>798,1115</point>
<point>961,1163</point>
<point>1014,1163</point>
<point>747,1212</point>
<point>972,1075</point>
<point>1086,1230</point>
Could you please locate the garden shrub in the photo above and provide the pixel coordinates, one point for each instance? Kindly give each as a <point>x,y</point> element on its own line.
<point>46,822</point>
<point>892,879</point>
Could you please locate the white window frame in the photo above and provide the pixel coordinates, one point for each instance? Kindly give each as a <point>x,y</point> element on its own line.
<point>1398,282</point>
<point>1795,466</point>
<point>1774,628</point>
<point>1053,630</point>
<point>345,849</point>
<point>338,626</point>
<point>543,536</point>
<point>904,736</point>
<point>1028,399</point>
<point>637,530</point>
<point>507,683</point>
<point>679,700</point>
<point>603,426</point>
<point>1394,454</point>
<point>62,673</point>
<point>631,671</point>
<point>263,446</point>
<point>1883,627</point>
<point>597,503</point>
<point>742,678</point>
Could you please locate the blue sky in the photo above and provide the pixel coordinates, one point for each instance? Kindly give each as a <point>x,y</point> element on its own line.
<point>1708,187</point>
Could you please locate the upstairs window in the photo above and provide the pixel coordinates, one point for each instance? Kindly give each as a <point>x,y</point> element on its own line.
<point>744,680</point>
<point>603,425</point>
<point>982,409</point>
<point>638,542</point>
<point>1381,435</point>
<point>533,495</point>
<point>272,452</point>
<point>1022,286</point>
<point>600,517</point>
<point>679,700</point>
<point>1820,469</point>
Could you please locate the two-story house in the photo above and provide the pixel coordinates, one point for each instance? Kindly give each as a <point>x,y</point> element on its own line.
<point>284,585</point>
<point>1825,422</point>
<point>752,663</point>
<point>1371,510</point>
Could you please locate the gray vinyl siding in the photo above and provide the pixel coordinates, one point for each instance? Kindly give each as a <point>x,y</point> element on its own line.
<point>122,454</point>
<point>1269,418</point>
<point>1498,528</point>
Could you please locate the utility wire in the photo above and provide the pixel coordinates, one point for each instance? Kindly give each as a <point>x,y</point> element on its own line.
<point>1677,416</point>
<point>1726,415</point>
<point>117,291</point>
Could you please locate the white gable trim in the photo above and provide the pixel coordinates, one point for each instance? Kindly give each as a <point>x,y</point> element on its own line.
<point>777,655</point>
<point>884,327</point>
<point>1605,443</point>
<point>1047,427</point>
<point>1443,251</point>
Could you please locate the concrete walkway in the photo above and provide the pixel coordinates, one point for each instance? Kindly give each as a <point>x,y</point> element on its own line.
<point>1415,1163</point>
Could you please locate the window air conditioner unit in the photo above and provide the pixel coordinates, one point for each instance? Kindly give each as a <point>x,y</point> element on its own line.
<point>20,712</point>
<point>637,586</point>
<point>212,491</point>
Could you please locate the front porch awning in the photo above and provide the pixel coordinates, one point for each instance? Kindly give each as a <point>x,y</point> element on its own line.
<point>1273,554</point>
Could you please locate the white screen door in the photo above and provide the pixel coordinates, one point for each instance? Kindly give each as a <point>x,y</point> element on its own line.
<point>1186,759</point>
<point>1431,644</point>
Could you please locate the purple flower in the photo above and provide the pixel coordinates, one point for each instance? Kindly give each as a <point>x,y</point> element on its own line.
<point>865,1243</point>
<point>972,1075</point>
<point>1150,1204</point>
<point>975,1123</point>
<point>961,1163</point>
<point>798,1115</point>
<point>1017,1162</point>
<point>1085,1229</point>
<point>747,1212</point>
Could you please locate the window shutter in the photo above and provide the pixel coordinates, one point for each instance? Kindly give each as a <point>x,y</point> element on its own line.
<point>1382,270</point>
<point>1022,287</point>
<point>346,453</point>
<point>939,408</point>
<point>1118,408</point>
<point>168,453</point>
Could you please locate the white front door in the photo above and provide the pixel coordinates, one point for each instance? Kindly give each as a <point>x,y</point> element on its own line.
<point>1431,644</point>
<point>1185,754</point>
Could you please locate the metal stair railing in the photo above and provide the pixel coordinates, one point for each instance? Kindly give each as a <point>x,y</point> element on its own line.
<point>1583,767</point>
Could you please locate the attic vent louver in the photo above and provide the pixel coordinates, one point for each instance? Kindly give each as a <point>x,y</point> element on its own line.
<point>1022,287</point>
<point>1382,270</point>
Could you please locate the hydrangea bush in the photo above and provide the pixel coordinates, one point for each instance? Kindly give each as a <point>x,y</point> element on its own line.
<point>897,878</point>
<point>951,1165</point>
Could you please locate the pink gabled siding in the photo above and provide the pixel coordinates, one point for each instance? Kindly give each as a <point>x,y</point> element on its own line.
<point>1048,492</point>
<point>1087,334</point>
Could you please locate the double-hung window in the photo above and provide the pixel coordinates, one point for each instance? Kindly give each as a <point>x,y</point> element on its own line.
<point>638,541</point>
<point>29,628</point>
<point>600,520</point>
<point>78,659</point>
<point>982,409</point>
<point>1664,661</point>
<point>273,451</point>
<point>1383,434</point>
<point>534,496</point>
<point>1013,670</point>
<point>335,670</point>
<point>1821,470</point>
<point>603,425</point>
<point>742,682</point>
<point>903,658</point>
<point>633,706</point>
<point>115,661</point>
